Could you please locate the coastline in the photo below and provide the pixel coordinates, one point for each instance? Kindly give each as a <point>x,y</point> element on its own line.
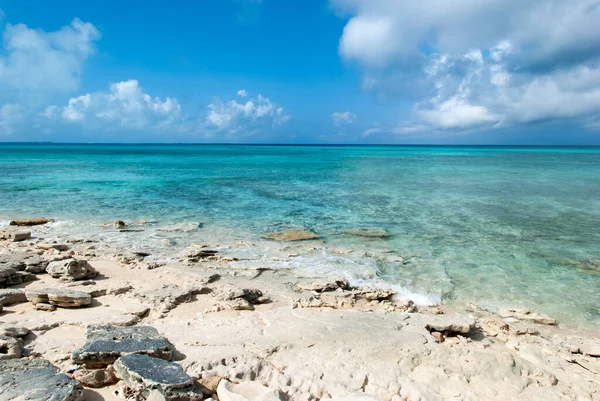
<point>308,336</point>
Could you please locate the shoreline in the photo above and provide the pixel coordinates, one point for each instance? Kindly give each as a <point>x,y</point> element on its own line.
<point>302,335</point>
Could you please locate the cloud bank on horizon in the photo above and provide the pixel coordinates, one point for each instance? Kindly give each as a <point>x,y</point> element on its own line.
<point>452,68</point>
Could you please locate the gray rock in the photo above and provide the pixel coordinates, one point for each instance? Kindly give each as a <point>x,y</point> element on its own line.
<point>12,296</point>
<point>10,347</point>
<point>15,236</point>
<point>36,380</point>
<point>450,324</point>
<point>60,297</point>
<point>71,269</point>
<point>144,374</point>
<point>24,261</point>
<point>19,278</point>
<point>13,331</point>
<point>105,344</point>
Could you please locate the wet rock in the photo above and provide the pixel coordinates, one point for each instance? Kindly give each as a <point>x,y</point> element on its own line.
<point>144,374</point>
<point>60,297</point>
<point>202,254</point>
<point>15,236</point>
<point>450,324</point>
<point>247,391</point>
<point>36,380</point>
<point>527,315</point>
<point>292,235</point>
<point>36,221</point>
<point>371,232</point>
<point>71,269</point>
<point>325,285</point>
<point>95,378</point>
<point>12,296</point>
<point>119,223</point>
<point>105,344</point>
<point>10,347</point>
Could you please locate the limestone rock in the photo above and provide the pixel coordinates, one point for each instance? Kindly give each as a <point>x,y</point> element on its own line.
<point>292,235</point>
<point>105,344</point>
<point>247,391</point>
<point>10,347</point>
<point>95,378</point>
<point>235,298</point>
<point>15,236</point>
<point>528,315</point>
<point>168,296</point>
<point>374,294</point>
<point>60,297</point>
<point>52,245</point>
<point>36,221</point>
<point>45,307</point>
<point>13,331</point>
<point>24,261</point>
<point>36,380</point>
<point>12,296</point>
<point>371,232</point>
<point>144,374</point>
<point>325,285</point>
<point>450,324</point>
<point>71,269</point>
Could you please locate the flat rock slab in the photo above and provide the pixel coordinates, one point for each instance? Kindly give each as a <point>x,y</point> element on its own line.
<point>105,344</point>
<point>11,296</point>
<point>371,232</point>
<point>60,297</point>
<point>15,236</point>
<point>450,324</point>
<point>144,374</point>
<point>36,221</point>
<point>36,380</point>
<point>71,269</point>
<point>527,315</point>
<point>292,235</point>
<point>24,261</point>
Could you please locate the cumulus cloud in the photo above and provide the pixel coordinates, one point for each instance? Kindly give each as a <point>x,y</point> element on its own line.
<point>242,93</point>
<point>125,105</point>
<point>34,64</point>
<point>471,64</point>
<point>255,115</point>
<point>343,118</point>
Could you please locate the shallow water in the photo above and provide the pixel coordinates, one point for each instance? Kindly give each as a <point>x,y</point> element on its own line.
<point>494,226</point>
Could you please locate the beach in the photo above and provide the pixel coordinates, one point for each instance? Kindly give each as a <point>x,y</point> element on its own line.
<point>260,329</point>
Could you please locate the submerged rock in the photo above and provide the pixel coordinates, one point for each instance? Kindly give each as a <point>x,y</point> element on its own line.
<point>36,221</point>
<point>143,374</point>
<point>71,269</point>
<point>371,232</point>
<point>105,344</point>
<point>61,297</point>
<point>36,380</point>
<point>292,235</point>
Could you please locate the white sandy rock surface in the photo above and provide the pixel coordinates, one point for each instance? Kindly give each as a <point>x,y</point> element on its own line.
<point>297,343</point>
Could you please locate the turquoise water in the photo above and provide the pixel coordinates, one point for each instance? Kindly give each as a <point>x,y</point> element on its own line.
<point>495,226</point>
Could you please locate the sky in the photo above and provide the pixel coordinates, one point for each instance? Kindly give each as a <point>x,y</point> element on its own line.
<point>301,71</point>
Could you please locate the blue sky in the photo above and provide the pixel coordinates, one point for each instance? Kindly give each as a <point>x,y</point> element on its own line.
<point>301,71</point>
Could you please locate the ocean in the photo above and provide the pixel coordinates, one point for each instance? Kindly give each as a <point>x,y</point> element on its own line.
<point>494,226</point>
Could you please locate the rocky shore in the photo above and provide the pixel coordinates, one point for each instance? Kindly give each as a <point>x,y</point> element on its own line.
<point>81,321</point>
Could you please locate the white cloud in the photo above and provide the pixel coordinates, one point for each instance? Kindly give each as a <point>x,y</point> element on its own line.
<point>34,64</point>
<point>257,114</point>
<point>472,64</point>
<point>343,118</point>
<point>11,116</point>
<point>124,106</point>
<point>242,93</point>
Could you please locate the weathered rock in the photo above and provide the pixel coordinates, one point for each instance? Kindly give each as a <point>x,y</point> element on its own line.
<point>105,344</point>
<point>60,297</point>
<point>209,385</point>
<point>13,331</point>
<point>168,296</point>
<point>36,380</point>
<point>15,236</point>
<point>36,221</point>
<point>95,378</point>
<point>371,232</point>
<point>374,294</point>
<point>24,261</point>
<point>292,235</point>
<point>71,269</point>
<point>12,296</point>
<point>19,278</point>
<point>45,307</point>
<point>247,391</point>
<point>449,324</point>
<point>143,374</point>
<point>528,315</point>
<point>10,347</point>
<point>52,245</point>
<point>325,285</point>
